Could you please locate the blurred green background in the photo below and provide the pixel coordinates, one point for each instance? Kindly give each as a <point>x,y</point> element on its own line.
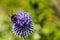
<point>45,18</point>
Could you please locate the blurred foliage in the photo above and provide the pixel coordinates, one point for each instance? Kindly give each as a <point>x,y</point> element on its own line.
<point>46,24</point>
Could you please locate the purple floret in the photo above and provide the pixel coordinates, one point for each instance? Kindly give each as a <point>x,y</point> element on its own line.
<point>23,26</point>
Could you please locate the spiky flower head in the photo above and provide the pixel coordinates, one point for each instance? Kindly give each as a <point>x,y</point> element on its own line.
<point>22,24</point>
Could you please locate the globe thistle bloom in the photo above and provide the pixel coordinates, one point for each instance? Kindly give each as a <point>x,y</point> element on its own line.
<point>22,24</point>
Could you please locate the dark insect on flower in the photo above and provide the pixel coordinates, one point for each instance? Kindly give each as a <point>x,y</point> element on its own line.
<point>22,24</point>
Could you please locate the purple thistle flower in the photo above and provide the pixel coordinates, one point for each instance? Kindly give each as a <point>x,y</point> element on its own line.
<point>22,24</point>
